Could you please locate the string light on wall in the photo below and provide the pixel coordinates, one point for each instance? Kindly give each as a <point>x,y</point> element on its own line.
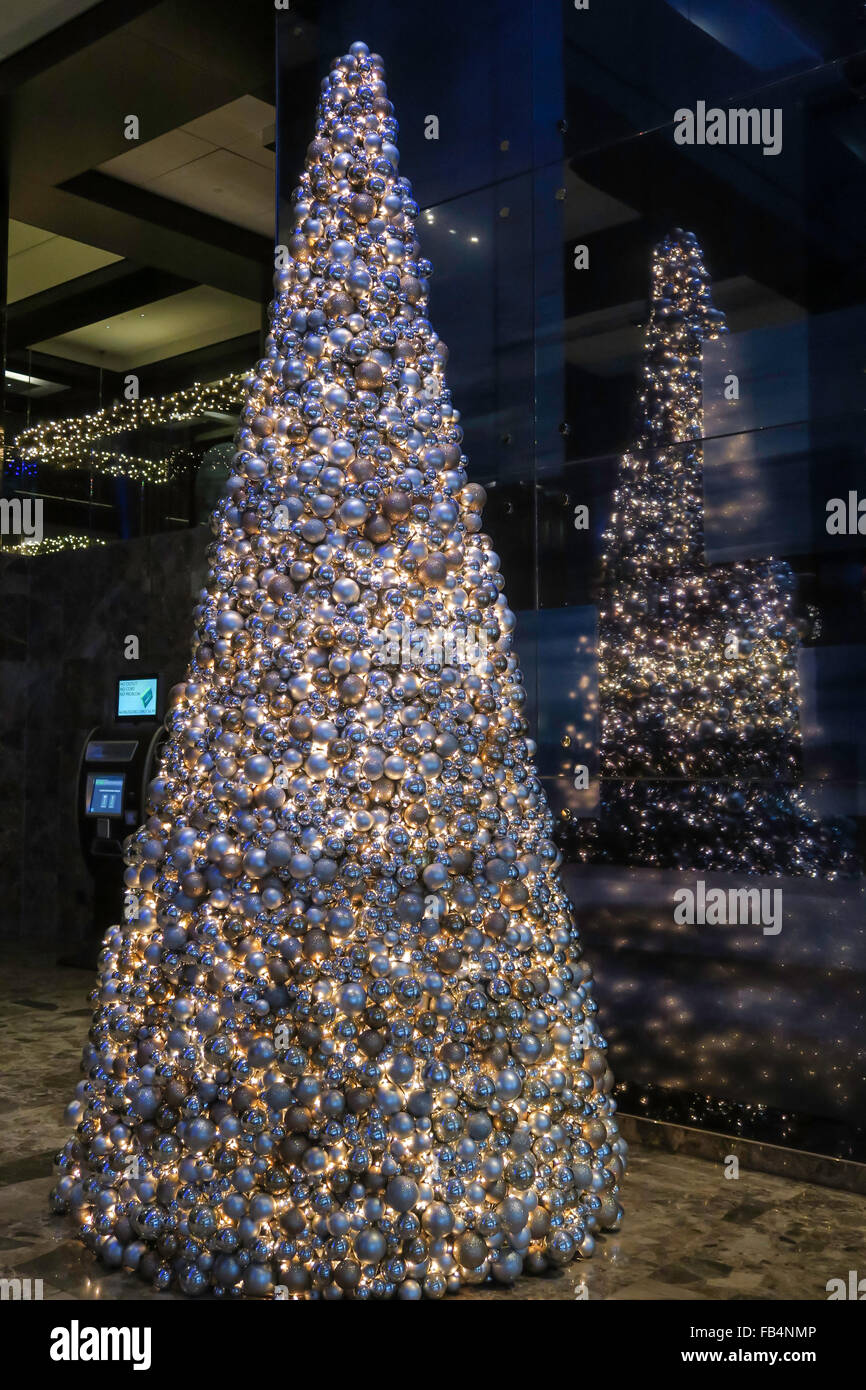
<point>79,442</point>
<point>52,545</point>
<point>346,1044</point>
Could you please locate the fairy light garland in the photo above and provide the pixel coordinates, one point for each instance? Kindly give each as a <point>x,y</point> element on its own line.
<point>53,545</point>
<point>76,442</point>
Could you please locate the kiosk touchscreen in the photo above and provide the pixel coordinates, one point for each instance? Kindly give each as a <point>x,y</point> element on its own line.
<point>137,697</point>
<point>105,793</point>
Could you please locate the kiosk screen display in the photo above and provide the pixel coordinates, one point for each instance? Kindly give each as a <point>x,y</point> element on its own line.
<point>105,794</point>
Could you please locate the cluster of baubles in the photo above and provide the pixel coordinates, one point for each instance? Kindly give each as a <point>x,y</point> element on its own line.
<point>346,1044</point>
<point>697,663</point>
<point>731,827</point>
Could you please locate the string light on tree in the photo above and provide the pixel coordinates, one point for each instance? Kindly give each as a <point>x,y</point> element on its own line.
<point>698,686</point>
<point>346,1044</point>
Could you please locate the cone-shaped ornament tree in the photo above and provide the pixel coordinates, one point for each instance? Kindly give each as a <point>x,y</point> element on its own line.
<point>345,1045</point>
<point>698,682</point>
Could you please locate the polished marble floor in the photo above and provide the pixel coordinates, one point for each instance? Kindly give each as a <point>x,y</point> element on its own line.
<point>690,1233</point>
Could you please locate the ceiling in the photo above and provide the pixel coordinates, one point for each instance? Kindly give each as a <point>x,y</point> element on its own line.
<point>183,322</point>
<point>155,252</point>
<point>218,164</point>
<point>38,260</point>
<point>21,25</point>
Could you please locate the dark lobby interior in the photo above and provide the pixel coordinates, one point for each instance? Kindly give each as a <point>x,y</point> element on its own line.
<point>150,164</point>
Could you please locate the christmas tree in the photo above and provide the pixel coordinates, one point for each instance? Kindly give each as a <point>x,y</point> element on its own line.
<point>345,1043</point>
<point>700,747</point>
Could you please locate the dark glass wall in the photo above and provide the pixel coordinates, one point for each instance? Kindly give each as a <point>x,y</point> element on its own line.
<point>557,165</point>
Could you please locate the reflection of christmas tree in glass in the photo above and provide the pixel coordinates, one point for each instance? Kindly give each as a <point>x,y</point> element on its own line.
<point>346,1045</point>
<point>698,685</point>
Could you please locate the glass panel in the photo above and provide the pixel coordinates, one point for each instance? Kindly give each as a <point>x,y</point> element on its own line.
<point>550,159</point>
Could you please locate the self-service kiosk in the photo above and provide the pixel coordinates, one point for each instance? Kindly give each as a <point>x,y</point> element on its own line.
<point>117,763</point>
